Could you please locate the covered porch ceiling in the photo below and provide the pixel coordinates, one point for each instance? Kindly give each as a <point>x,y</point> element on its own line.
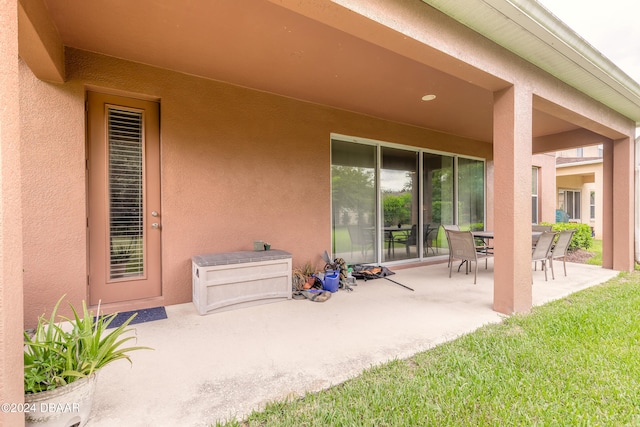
<point>269,47</point>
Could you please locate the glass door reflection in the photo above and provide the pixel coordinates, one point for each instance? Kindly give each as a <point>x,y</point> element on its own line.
<point>399,186</point>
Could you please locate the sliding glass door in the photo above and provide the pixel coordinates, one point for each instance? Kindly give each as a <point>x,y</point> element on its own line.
<point>399,185</point>
<point>470,176</point>
<point>389,202</point>
<point>354,207</point>
<point>438,200</point>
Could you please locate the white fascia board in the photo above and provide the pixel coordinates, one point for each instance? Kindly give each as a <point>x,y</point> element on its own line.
<point>547,42</point>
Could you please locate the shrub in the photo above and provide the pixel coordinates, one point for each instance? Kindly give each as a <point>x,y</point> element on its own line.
<point>581,238</point>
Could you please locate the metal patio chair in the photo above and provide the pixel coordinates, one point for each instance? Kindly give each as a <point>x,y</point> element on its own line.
<point>410,239</point>
<point>447,228</point>
<point>360,237</point>
<point>462,246</point>
<point>540,228</point>
<point>559,250</point>
<point>542,249</point>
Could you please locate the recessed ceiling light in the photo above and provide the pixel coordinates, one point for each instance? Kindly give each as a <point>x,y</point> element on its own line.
<point>429,97</point>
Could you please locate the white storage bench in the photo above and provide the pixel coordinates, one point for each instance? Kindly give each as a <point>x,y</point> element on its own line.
<point>231,280</point>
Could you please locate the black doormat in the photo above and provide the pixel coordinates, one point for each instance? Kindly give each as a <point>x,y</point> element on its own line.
<point>146,315</point>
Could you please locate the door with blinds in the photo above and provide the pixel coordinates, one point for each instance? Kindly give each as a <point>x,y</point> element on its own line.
<point>124,216</point>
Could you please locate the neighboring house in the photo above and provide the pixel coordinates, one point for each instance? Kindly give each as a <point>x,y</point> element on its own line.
<point>579,183</point>
<point>155,131</point>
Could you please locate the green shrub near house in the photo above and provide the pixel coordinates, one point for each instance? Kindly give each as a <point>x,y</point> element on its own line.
<point>581,238</point>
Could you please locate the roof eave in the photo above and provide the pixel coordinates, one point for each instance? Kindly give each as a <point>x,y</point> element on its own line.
<point>582,163</point>
<point>559,50</point>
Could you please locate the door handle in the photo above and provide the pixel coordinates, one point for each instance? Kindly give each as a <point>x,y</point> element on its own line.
<point>155,226</point>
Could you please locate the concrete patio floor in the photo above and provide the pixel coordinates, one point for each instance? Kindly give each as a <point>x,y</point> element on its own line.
<point>224,365</point>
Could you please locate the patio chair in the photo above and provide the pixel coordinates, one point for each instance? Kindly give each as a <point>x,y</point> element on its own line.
<point>410,240</point>
<point>483,249</point>
<point>361,238</point>
<point>447,228</point>
<point>428,239</point>
<point>559,250</point>
<point>462,246</point>
<point>540,228</point>
<point>542,249</point>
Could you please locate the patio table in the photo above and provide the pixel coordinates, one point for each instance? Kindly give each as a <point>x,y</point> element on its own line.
<point>390,231</point>
<point>488,235</point>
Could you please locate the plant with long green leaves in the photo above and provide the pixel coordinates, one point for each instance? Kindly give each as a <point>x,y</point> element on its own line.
<point>58,354</point>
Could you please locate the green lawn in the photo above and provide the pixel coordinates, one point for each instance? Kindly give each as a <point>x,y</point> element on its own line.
<point>572,362</point>
<point>596,248</point>
<point>596,259</point>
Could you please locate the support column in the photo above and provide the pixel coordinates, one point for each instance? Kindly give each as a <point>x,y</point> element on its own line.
<point>623,204</point>
<point>11,304</point>
<point>512,146</point>
<point>607,205</point>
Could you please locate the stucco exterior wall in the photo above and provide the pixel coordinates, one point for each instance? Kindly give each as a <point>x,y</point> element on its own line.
<point>53,184</point>
<point>11,299</point>
<point>573,182</point>
<point>237,165</point>
<point>546,186</point>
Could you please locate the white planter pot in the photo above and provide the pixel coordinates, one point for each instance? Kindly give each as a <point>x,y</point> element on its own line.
<point>67,406</point>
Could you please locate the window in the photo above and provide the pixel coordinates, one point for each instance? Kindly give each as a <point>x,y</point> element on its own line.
<point>125,137</point>
<point>580,152</point>
<point>388,201</point>
<point>592,205</point>
<point>569,202</point>
<point>534,195</point>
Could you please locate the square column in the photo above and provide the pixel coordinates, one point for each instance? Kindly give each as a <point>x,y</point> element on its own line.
<point>512,147</point>
<point>607,205</point>
<point>618,205</point>
<point>11,283</point>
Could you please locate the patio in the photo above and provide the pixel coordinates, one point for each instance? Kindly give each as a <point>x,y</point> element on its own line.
<point>220,366</point>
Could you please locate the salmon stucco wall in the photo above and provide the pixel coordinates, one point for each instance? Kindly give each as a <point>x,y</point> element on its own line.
<point>546,186</point>
<point>53,185</point>
<point>11,240</point>
<point>237,165</point>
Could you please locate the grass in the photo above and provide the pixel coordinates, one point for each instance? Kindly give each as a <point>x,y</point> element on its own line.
<point>596,249</point>
<point>596,259</point>
<point>570,362</point>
